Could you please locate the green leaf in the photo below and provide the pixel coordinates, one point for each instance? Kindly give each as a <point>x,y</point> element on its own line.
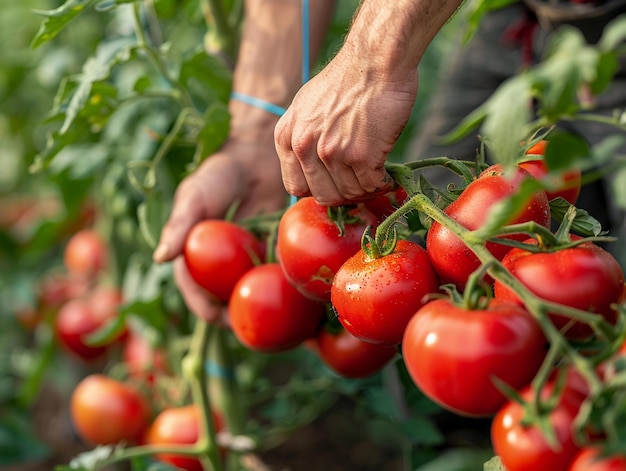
<point>152,214</point>
<point>584,224</point>
<point>608,65</point>
<point>457,459</point>
<point>215,129</point>
<point>565,150</point>
<point>467,125</point>
<point>96,69</point>
<point>494,464</point>
<point>570,62</point>
<point>91,460</point>
<point>108,332</point>
<point>613,34</point>
<point>57,19</point>
<point>420,430</point>
<point>506,124</point>
<point>206,77</point>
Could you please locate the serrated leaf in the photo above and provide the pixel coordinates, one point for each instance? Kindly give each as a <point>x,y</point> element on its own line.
<point>152,214</point>
<point>584,224</point>
<point>96,69</point>
<point>58,19</point>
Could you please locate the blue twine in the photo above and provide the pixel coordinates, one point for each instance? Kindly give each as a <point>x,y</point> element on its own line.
<point>258,103</point>
<point>219,371</point>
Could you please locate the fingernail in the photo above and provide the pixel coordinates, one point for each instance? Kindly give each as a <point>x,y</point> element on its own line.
<point>160,253</point>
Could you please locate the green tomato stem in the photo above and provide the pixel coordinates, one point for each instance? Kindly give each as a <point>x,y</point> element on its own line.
<point>195,372</point>
<point>537,307</point>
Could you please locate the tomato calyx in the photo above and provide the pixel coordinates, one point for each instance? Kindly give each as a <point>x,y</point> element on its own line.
<point>380,244</point>
<point>342,215</point>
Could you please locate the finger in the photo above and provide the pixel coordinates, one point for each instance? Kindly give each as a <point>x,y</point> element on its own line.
<point>293,177</point>
<point>197,299</point>
<point>193,203</point>
<point>373,180</point>
<point>182,218</point>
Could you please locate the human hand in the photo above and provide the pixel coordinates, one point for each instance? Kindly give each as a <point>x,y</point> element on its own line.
<point>334,139</point>
<point>246,172</point>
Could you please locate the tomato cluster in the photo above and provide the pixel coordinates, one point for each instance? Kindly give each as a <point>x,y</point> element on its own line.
<point>473,322</point>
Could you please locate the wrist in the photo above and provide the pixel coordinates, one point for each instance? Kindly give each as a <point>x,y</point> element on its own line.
<point>390,38</point>
<point>249,123</point>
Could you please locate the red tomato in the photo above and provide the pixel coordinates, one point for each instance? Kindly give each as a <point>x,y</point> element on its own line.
<point>453,353</point>
<point>80,317</point>
<point>524,447</point>
<point>107,411</point>
<point>374,298</point>
<point>179,426</point>
<point>451,258</point>
<point>218,253</point>
<point>584,277</point>
<point>350,357</point>
<point>384,205</point>
<point>85,253</point>
<point>268,314</point>
<point>591,459</point>
<point>567,185</point>
<point>311,248</point>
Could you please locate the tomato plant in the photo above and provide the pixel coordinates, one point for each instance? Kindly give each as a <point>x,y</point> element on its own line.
<point>107,411</point>
<point>312,246</point>
<point>351,357</point>
<point>375,296</point>
<point>586,277</point>
<point>455,353</point>
<point>268,314</point>
<point>217,253</point>
<point>450,256</point>
<point>179,426</point>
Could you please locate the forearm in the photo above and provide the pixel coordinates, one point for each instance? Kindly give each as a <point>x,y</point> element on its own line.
<point>392,36</point>
<point>269,66</point>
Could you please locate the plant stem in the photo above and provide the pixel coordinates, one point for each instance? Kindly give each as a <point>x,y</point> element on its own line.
<point>195,372</point>
<point>537,307</point>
